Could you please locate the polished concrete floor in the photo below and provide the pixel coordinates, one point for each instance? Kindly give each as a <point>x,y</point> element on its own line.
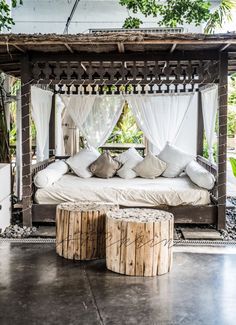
<point>38,287</point>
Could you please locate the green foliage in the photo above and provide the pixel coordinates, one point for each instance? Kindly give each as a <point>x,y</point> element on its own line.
<point>220,15</point>
<point>232,102</point>
<point>5,13</point>
<point>175,12</point>
<point>232,98</point>
<point>232,90</point>
<point>178,12</point>
<point>126,130</point>
<point>233,165</point>
<point>231,123</point>
<point>205,150</point>
<point>132,22</point>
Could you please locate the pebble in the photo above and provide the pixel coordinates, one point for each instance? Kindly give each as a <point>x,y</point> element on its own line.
<point>15,231</point>
<point>229,233</point>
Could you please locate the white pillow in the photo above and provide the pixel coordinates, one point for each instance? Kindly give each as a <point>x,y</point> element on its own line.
<point>46,177</point>
<point>175,159</point>
<point>150,167</point>
<point>59,166</point>
<point>129,159</point>
<point>50,174</point>
<point>128,154</point>
<point>80,162</point>
<point>199,175</point>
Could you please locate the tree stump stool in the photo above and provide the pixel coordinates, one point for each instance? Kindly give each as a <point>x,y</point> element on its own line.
<point>139,241</point>
<point>80,230</point>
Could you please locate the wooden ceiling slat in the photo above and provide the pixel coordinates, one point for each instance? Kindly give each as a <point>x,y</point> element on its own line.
<point>173,47</point>
<point>17,47</point>
<point>69,48</point>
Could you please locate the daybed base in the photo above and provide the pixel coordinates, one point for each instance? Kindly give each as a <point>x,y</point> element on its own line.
<point>185,214</point>
<point>205,214</point>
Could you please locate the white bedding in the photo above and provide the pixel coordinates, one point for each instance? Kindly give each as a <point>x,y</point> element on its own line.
<point>126,192</point>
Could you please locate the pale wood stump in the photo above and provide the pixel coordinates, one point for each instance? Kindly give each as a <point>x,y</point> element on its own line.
<point>139,241</point>
<point>80,230</point>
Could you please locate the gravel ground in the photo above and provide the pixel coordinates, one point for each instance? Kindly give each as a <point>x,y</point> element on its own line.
<point>15,231</point>
<point>230,232</point>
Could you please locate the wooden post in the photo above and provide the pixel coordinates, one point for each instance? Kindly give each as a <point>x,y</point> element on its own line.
<point>18,146</point>
<point>26,142</point>
<point>222,139</point>
<point>52,128</point>
<point>200,128</point>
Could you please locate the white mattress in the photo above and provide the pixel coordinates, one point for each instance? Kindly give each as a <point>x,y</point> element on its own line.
<point>135,192</point>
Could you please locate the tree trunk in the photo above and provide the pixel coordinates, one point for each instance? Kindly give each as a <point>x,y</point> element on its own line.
<point>80,230</point>
<point>139,241</point>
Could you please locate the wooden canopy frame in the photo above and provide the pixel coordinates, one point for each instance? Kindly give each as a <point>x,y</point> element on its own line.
<point>124,59</point>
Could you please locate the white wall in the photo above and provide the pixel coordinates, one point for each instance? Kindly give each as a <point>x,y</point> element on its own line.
<point>50,16</point>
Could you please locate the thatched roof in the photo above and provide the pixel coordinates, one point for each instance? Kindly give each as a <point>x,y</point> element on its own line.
<point>13,46</point>
<point>104,42</point>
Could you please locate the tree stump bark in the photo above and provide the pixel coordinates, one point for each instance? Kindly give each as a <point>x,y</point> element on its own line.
<point>80,230</point>
<point>139,241</point>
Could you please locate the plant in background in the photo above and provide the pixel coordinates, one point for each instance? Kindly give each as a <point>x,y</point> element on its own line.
<point>126,129</point>
<point>221,14</point>
<point>205,149</point>
<point>171,12</point>
<point>231,124</point>
<point>232,90</point>
<point>5,13</point>
<point>177,12</point>
<point>233,165</point>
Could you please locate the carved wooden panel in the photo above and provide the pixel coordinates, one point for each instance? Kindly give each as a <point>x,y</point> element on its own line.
<point>125,72</point>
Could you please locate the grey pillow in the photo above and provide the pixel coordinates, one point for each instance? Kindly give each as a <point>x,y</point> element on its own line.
<point>105,166</point>
<point>150,167</point>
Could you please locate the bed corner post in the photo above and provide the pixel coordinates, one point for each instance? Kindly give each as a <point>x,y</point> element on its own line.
<point>26,141</point>
<point>200,128</point>
<point>222,138</point>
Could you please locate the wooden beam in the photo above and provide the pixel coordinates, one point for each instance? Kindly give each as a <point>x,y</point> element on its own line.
<point>69,48</point>
<point>190,214</point>
<point>150,56</point>
<point>173,47</point>
<point>224,47</point>
<point>222,138</point>
<point>106,41</point>
<point>121,47</point>
<point>18,47</point>
<point>9,63</point>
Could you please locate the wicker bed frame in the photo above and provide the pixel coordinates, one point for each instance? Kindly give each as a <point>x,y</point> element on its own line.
<point>186,214</point>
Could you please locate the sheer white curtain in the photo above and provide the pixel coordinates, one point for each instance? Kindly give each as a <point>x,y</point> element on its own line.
<point>59,138</point>
<point>160,117</point>
<point>41,103</point>
<point>95,116</point>
<point>209,109</point>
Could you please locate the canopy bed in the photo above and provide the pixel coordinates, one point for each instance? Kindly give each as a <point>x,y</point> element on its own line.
<point>152,65</point>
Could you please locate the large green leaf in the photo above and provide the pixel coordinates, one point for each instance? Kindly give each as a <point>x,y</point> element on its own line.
<point>233,164</point>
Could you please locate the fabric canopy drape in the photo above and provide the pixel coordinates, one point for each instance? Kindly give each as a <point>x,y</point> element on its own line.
<point>95,116</point>
<point>209,110</point>
<point>160,117</point>
<point>59,138</point>
<point>41,103</point>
